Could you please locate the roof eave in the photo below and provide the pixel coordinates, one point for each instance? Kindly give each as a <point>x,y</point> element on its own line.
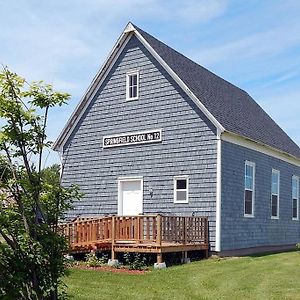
<point>249,143</point>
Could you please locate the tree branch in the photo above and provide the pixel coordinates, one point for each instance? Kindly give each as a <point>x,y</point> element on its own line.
<point>8,240</point>
<point>18,198</point>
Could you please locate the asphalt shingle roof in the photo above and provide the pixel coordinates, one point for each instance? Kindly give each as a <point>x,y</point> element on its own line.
<point>232,107</point>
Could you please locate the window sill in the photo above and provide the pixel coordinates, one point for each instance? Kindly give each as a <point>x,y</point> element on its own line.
<point>248,216</point>
<point>132,99</point>
<point>274,218</point>
<point>181,202</point>
<point>295,219</point>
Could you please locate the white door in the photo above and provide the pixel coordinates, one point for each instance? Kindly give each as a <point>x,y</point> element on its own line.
<point>130,197</point>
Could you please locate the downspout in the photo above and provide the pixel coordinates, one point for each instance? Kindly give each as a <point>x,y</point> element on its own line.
<point>218,193</point>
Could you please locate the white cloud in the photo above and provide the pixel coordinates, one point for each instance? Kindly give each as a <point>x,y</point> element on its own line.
<point>202,10</point>
<point>283,106</point>
<point>255,46</point>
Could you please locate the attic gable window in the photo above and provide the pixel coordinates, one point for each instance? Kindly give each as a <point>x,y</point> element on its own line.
<point>132,85</point>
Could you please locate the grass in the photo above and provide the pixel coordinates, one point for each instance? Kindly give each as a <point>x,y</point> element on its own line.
<point>274,276</point>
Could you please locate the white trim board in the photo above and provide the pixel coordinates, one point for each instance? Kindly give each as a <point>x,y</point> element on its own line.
<point>259,147</point>
<point>218,193</point>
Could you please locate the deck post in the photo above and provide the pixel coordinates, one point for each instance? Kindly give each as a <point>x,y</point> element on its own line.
<point>184,231</point>
<point>159,264</point>
<point>185,259</point>
<point>113,236</point>
<point>113,261</point>
<point>159,259</point>
<point>139,229</point>
<point>158,237</point>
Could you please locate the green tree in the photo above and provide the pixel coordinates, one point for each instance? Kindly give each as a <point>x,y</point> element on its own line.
<point>32,200</point>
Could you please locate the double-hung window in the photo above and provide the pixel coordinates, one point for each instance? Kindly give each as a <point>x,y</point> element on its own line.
<point>295,197</point>
<point>275,194</point>
<point>132,85</point>
<point>249,189</point>
<point>181,189</point>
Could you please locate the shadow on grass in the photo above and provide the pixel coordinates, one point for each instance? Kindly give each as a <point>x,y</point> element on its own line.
<point>262,254</point>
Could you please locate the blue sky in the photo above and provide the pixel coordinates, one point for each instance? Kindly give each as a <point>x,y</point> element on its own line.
<point>253,44</point>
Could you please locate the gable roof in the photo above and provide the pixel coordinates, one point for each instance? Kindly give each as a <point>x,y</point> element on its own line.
<point>233,108</point>
<point>228,107</point>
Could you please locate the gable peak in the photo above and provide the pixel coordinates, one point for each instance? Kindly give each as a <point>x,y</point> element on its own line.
<point>129,27</point>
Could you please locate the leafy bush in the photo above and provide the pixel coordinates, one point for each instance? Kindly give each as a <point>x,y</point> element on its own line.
<point>93,261</point>
<point>135,261</point>
<point>298,246</point>
<point>103,258</point>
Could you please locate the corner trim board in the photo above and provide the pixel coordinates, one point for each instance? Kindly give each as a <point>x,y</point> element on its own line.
<point>218,193</point>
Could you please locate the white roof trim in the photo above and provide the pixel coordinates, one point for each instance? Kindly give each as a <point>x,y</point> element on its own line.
<point>180,82</point>
<point>101,75</point>
<point>129,27</point>
<point>260,147</point>
<point>92,89</point>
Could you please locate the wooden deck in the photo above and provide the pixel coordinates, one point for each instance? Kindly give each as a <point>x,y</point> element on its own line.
<point>144,234</point>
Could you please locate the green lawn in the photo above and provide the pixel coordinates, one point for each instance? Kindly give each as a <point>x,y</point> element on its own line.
<point>274,276</point>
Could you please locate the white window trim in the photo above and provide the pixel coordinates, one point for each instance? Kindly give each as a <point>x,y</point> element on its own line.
<point>136,72</point>
<point>278,195</point>
<point>252,164</point>
<point>297,180</point>
<point>186,177</point>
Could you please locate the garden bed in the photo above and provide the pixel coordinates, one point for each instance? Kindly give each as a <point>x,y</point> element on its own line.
<point>103,268</point>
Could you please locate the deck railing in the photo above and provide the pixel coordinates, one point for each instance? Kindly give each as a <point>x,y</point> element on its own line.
<point>155,229</point>
<point>89,230</point>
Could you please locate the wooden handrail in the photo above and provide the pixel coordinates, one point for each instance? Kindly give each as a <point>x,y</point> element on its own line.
<point>139,229</point>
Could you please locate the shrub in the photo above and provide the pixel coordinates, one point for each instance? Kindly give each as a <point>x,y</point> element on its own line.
<point>92,260</point>
<point>136,261</point>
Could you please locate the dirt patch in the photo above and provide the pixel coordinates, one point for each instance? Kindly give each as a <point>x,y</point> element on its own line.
<point>111,269</point>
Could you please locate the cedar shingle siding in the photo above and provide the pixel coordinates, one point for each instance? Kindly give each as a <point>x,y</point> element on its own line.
<point>240,232</point>
<point>188,146</point>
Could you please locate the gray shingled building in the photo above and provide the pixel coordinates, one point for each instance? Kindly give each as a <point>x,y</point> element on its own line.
<point>157,133</point>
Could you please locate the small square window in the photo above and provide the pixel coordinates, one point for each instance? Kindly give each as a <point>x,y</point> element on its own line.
<point>181,189</point>
<point>132,86</point>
